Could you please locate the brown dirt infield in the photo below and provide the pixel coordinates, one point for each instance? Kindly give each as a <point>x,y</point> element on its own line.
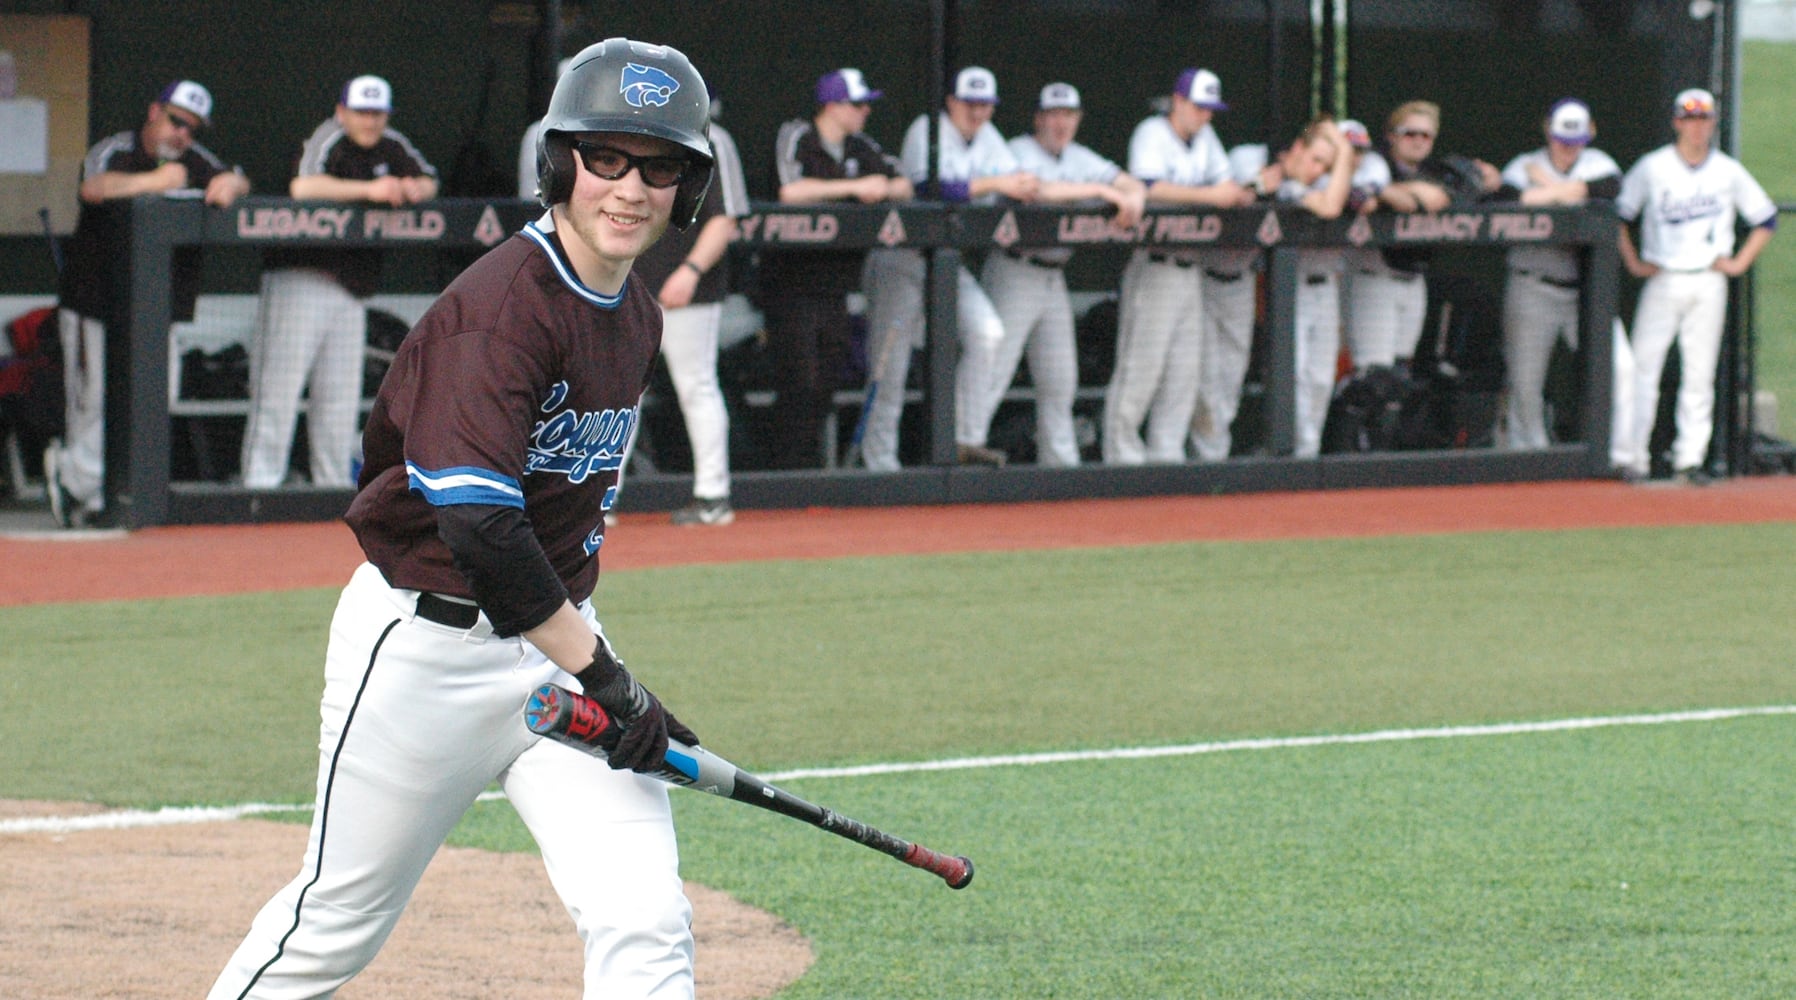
<point>169,903</point>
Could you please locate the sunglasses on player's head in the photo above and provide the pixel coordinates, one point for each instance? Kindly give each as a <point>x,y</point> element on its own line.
<point>613,164</point>
<point>1695,108</point>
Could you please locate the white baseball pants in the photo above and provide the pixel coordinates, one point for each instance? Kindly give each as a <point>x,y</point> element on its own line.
<point>1159,360</point>
<point>310,337</point>
<point>894,283</point>
<point>689,344</point>
<point>1536,313</point>
<point>1690,308</point>
<point>417,719</point>
<point>1227,347</point>
<point>1318,350</point>
<point>1385,313</point>
<point>81,459</point>
<point>1032,304</point>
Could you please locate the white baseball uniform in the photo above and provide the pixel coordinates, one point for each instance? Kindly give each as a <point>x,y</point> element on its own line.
<point>311,326</point>
<point>1540,301</point>
<point>1687,216</point>
<point>1386,306</point>
<point>1159,337</point>
<point>1318,313</point>
<point>1028,289</point>
<point>894,281</point>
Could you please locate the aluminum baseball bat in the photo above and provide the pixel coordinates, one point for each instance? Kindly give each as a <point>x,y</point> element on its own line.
<point>580,722</point>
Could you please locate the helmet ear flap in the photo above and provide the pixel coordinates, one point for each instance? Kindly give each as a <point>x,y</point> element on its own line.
<point>554,168</point>
<point>691,195</point>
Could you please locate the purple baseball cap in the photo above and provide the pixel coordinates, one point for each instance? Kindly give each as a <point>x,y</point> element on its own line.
<point>845,84</point>
<point>1202,87</point>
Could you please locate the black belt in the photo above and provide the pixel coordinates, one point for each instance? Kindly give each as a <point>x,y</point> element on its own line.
<point>444,611</point>
<point>1315,279</point>
<point>1051,265</point>
<point>1555,282</point>
<point>1223,277</point>
<point>1166,258</point>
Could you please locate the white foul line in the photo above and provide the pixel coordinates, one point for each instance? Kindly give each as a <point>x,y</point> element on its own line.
<point>1287,742</point>
<point>171,815</point>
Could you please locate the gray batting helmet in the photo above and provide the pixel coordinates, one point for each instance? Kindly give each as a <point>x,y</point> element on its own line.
<point>619,85</point>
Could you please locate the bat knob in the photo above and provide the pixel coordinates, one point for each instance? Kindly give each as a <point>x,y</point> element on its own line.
<point>542,708</point>
<point>966,876</point>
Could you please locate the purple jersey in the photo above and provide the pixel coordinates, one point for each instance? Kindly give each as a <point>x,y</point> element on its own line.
<point>519,388</point>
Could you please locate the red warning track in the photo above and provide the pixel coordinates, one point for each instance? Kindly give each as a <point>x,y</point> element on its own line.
<point>184,561</point>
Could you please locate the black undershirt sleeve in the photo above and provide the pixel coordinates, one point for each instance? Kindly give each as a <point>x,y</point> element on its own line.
<point>508,572</point>
<point>1605,188</point>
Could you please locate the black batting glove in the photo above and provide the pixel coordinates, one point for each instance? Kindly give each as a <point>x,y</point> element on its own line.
<point>642,724</point>
<point>678,730</point>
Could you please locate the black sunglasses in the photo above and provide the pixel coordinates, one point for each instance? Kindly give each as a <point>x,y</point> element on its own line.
<point>612,164</point>
<point>183,124</point>
<point>1415,133</point>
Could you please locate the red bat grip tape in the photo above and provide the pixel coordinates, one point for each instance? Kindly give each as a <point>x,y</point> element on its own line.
<point>955,870</point>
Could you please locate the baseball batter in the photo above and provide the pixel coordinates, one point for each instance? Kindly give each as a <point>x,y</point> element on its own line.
<point>973,164</point>
<point>494,449</point>
<point>1028,285</point>
<point>1541,298</point>
<point>312,323</point>
<point>1316,172</point>
<point>159,156</point>
<point>1686,198</point>
<point>1159,343</point>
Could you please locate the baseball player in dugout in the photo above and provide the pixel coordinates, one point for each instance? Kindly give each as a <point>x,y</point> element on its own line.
<point>973,165</point>
<point>826,158</point>
<point>494,449</point>
<point>312,321</point>
<point>1315,172</point>
<point>1027,285</point>
<point>1686,199</point>
<point>1542,295</point>
<point>1160,316</point>
<point>162,157</point>
<point>689,272</point>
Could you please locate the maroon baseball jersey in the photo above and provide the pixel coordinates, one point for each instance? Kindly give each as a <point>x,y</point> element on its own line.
<point>519,388</point>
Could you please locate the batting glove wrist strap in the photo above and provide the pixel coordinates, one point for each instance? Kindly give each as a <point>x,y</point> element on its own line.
<point>640,743</point>
<point>607,682</point>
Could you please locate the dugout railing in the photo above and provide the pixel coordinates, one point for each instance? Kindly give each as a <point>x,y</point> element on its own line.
<point>141,488</point>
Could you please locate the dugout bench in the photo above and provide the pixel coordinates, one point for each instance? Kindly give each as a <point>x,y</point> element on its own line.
<point>141,489</point>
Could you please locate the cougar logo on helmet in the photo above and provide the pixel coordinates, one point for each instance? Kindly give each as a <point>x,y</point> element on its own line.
<point>646,86</point>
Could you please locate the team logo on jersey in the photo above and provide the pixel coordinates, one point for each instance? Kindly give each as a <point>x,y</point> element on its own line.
<point>578,445</point>
<point>646,86</point>
<point>1700,205</point>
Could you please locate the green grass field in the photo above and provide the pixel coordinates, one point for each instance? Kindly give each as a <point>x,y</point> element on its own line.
<point>1768,148</point>
<point>1631,861</point>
